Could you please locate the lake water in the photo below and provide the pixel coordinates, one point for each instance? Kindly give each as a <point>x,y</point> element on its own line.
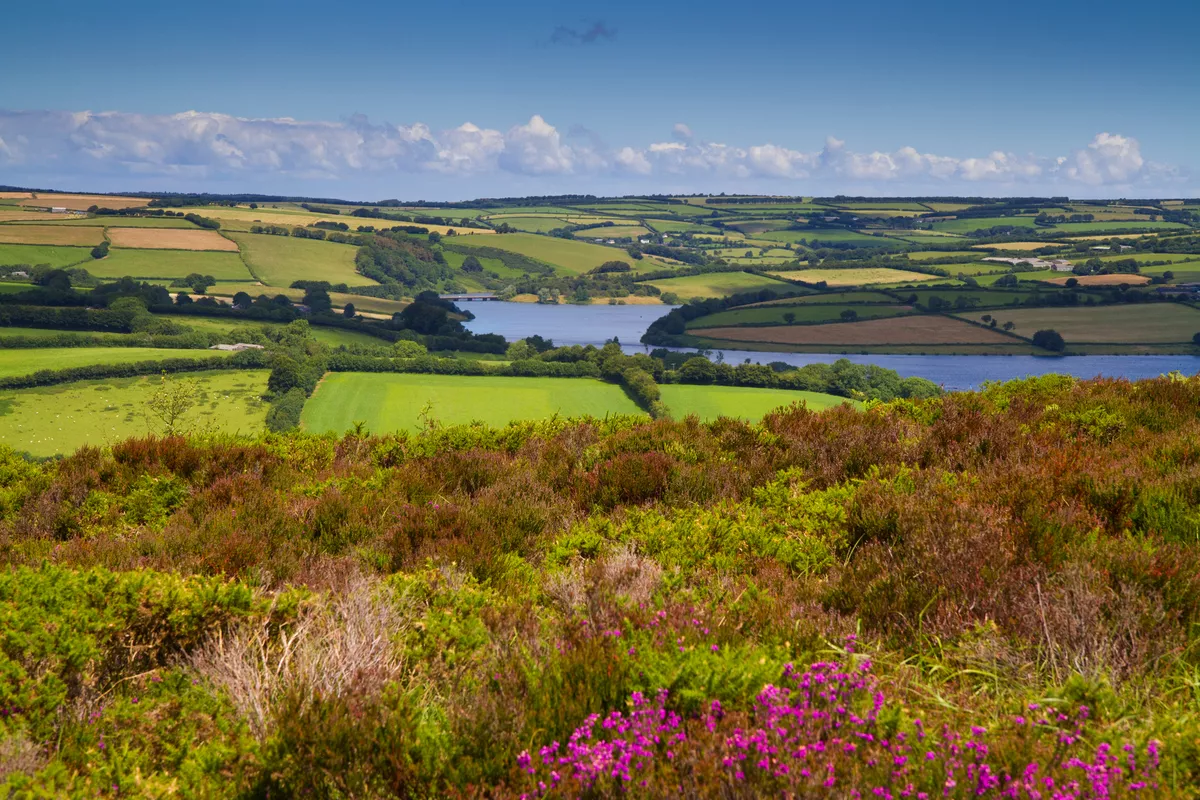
<point>568,325</point>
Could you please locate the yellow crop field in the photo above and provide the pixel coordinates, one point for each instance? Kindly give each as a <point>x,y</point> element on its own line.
<point>82,202</point>
<point>50,234</point>
<point>169,239</point>
<point>240,219</point>
<point>1017,246</point>
<point>10,215</point>
<point>855,277</point>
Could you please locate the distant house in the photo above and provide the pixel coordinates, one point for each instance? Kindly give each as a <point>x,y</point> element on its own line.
<point>19,274</point>
<point>643,241</point>
<point>612,241</point>
<point>237,348</point>
<point>58,210</point>
<point>1061,265</point>
<point>1102,247</point>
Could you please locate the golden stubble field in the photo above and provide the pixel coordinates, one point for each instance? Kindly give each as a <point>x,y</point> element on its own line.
<point>82,202</point>
<point>169,239</point>
<point>51,234</point>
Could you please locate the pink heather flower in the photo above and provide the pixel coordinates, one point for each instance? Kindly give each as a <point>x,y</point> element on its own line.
<point>716,647</point>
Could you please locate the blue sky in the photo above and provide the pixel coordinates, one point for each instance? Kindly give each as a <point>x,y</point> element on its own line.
<point>787,98</point>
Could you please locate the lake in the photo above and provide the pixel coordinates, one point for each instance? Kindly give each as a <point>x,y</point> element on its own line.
<point>568,325</point>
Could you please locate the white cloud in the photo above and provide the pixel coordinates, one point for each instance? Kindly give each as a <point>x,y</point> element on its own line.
<point>197,145</point>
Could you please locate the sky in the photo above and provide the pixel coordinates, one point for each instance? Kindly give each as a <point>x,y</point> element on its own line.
<point>452,101</point>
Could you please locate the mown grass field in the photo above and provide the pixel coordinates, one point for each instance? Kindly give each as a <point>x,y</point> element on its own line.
<point>856,277</point>
<point>24,361</point>
<point>574,257</point>
<point>60,419</point>
<point>8,287</point>
<point>394,402</point>
<point>710,402</point>
<point>50,234</point>
<point>168,264</point>
<point>279,260</point>
<point>613,232</point>
<point>716,284</point>
<point>33,254</point>
<point>805,313</point>
<point>828,235</point>
<point>1147,323</point>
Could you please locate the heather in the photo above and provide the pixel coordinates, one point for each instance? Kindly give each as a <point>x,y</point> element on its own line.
<point>992,594</point>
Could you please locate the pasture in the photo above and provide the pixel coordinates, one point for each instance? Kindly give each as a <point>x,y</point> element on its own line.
<point>931,329</point>
<point>613,232</point>
<point>333,337</point>
<point>387,403</point>
<point>12,214</point>
<point>971,224</point>
<point>570,256</point>
<point>805,313</point>
<point>1016,247</point>
<point>1142,323</point>
<point>855,277</point>
<point>60,419</point>
<point>169,239</point>
<point>127,222</point>
<point>50,234</point>
<point>26,361</point>
<point>279,260</point>
<point>929,255</point>
<point>834,235</point>
<point>54,255</point>
<point>1117,227</point>
<point>750,404</point>
<point>242,219</point>
<point>717,284</point>
<point>168,264</point>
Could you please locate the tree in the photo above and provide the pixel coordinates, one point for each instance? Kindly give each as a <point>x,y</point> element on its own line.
<point>317,300</point>
<point>849,315</point>
<point>519,351</point>
<point>1049,340</point>
<point>348,310</point>
<point>183,299</point>
<point>100,251</point>
<point>1196,339</point>
<point>1072,283</point>
<point>1169,275</point>
<point>242,300</point>
<point>168,405</point>
<point>789,317</point>
<point>199,283</point>
<point>471,264</point>
<point>1008,326</point>
<point>56,280</point>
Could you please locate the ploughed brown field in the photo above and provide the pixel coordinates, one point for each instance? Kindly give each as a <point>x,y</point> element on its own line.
<point>931,329</point>
<point>51,234</point>
<point>169,239</point>
<point>1101,280</point>
<point>82,202</point>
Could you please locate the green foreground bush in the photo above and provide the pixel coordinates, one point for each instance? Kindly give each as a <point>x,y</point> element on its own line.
<point>302,616</point>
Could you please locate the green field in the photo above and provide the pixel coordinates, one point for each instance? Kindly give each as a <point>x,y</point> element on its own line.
<point>33,254</point>
<point>927,255</point>
<point>279,260</point>
<point>25,361</point>
<point>717,284</point>
<point>1143,323</point>
<point>977,223</point>
<point>830,235</point>
<point>50,420</point>
<point>330,336</point>
<point>573,257</point>
<point>710,402</point>
<point>8,287</point>
<point>13,332</point>
<point>612,232</point>
<point>1116,226</point>
<point>806,313</point>
<point>168,264</point>
<point>128,222</point>
<point>679,226</point>
<point>391,402</point>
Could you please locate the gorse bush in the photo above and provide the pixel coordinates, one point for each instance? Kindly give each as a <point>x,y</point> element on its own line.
<point>668,601</point>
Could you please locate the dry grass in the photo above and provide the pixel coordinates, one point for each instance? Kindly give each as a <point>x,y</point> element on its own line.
<point>631,300</point>
<point>7,215</point>
<point>1142,323</point>
<point>51,234</point>
<point>14,195</point>
<point>340,647</point>
<point>169,239</point>
<point>82,202</point>
<point>927,329</point>
<point>1101,280</point>
<point>241,219</point>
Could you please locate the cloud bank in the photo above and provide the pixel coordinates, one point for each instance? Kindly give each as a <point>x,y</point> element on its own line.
<point>202,146</point>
